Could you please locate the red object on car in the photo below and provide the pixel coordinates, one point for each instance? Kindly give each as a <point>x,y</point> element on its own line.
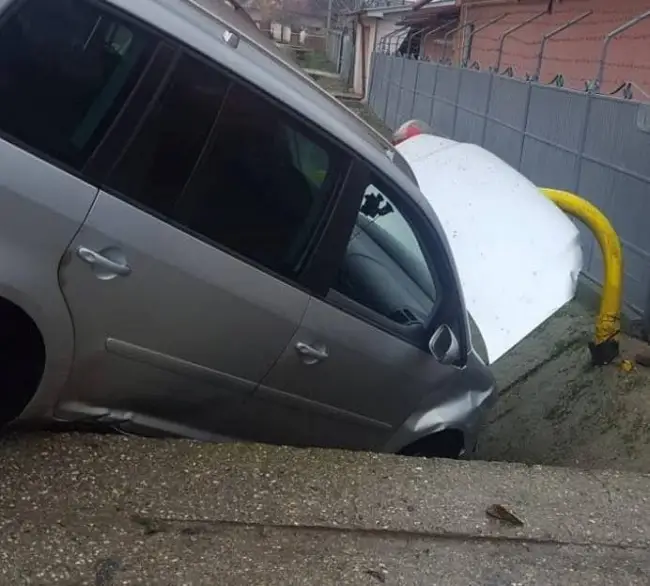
<point>410,129</point>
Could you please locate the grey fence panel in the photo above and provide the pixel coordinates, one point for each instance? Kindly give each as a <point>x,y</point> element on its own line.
<point>473,98</point>
<point>610,186</point>
<point>347,58</point>
<point>503,141</point>
<point>506,119</point>
<point>407,92</point>
<point>373,93</point>
<point>614,142</point>
<point>596,183</point>
<point>443,118</point>
<point>333,47</point>
<point>558,117</point>
<point>424,89</point>
<point>558,138</point>
<point>380,73</point>
<point>372,82</point>
<point>554,137</point>
<point>394,89</point>
<point>614,138</point>
<point>508,102</point>
<point>547,165</point>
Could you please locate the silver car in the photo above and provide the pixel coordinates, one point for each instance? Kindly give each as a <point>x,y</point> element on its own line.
<point>196,240</point>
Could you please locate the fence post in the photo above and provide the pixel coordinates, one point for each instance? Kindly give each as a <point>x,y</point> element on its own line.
<point>433,94</point>
<point>581,151</point>
<point>608,39</point>
<point>371,84</point>
<point>399,93</point>
<point>486,115</point>
<point>529,92</point>
<point>453,124</point>
<point>388,82</point>
<point>339,60</point>
<point>415,87</point>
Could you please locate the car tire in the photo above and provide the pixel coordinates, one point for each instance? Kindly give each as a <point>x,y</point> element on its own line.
<point>22,360</point>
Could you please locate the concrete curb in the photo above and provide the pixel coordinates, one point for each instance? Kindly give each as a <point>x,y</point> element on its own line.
<point>163,481</point>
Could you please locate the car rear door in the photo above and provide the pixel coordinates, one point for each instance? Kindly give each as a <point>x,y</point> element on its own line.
<point>359,364</point>
<point>182,280</point>
<point>53,113</point>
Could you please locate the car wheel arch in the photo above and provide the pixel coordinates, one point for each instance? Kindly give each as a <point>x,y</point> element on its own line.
<point>54,325</point>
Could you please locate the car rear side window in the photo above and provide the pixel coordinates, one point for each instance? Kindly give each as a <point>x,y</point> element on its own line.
<point>226,164</point>
<point>66,69</point>
<point>156,165</point>
<point>264,183</point>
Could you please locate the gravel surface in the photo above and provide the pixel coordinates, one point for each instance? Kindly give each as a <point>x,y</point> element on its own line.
<point>107,510</point>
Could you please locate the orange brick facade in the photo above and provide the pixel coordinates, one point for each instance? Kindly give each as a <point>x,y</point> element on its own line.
<point>574,53</point>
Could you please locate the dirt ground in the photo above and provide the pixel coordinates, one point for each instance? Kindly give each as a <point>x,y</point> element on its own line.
<point>555,408</point>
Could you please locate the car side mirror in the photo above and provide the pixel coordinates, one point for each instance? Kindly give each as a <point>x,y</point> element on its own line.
<point>444,345</point>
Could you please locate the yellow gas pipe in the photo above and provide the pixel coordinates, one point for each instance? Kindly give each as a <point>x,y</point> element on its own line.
<point>605,346</point>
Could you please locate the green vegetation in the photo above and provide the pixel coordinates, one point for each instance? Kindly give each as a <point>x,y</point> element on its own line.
<point>310,59</point>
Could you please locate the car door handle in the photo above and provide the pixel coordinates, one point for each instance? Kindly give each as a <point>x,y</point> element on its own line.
<point>311,355</point>
<point>100,261</point>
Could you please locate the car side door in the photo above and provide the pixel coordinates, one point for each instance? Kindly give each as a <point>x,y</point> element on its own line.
<point>61,87</point>
<point>182,281</point>
<point>360,364</point>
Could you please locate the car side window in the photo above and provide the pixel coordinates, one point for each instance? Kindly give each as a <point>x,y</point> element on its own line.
<point>263,184</point>
<point>66,70</point>
<point>226,164</point>
<point>384,268</point>
<point>156,166</point>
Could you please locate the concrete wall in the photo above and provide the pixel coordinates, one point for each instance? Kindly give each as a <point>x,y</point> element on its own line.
<point>595,145</point>
<point>365,40</point>
<point>575,53</point>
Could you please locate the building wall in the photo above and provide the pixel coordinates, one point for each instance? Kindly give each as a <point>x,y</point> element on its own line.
<point>575,53</point>
<point>375,29</point>
<point>387,25</point>
<point>365,37</point>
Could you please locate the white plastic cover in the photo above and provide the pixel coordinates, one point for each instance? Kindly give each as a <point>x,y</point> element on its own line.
<point>517,253</point>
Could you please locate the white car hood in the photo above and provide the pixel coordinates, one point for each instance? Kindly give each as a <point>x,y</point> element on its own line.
<point>517,254</point>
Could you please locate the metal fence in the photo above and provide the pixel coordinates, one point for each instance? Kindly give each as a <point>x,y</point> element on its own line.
<point>340,52</point>
<point>334,40</point>
<point>594,145</point>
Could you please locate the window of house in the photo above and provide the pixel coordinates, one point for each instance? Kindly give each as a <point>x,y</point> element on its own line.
<point>263,183</point>
<point>66,69</point>
<point>384,268</point>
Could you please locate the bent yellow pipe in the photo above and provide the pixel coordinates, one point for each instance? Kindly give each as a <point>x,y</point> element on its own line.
<point>605,346</point>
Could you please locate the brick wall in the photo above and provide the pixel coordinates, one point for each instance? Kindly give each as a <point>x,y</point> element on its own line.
<point>575,53</point>
<point>434,47</point>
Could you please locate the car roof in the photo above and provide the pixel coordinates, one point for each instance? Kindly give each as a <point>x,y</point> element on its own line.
<point>201,25</point>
